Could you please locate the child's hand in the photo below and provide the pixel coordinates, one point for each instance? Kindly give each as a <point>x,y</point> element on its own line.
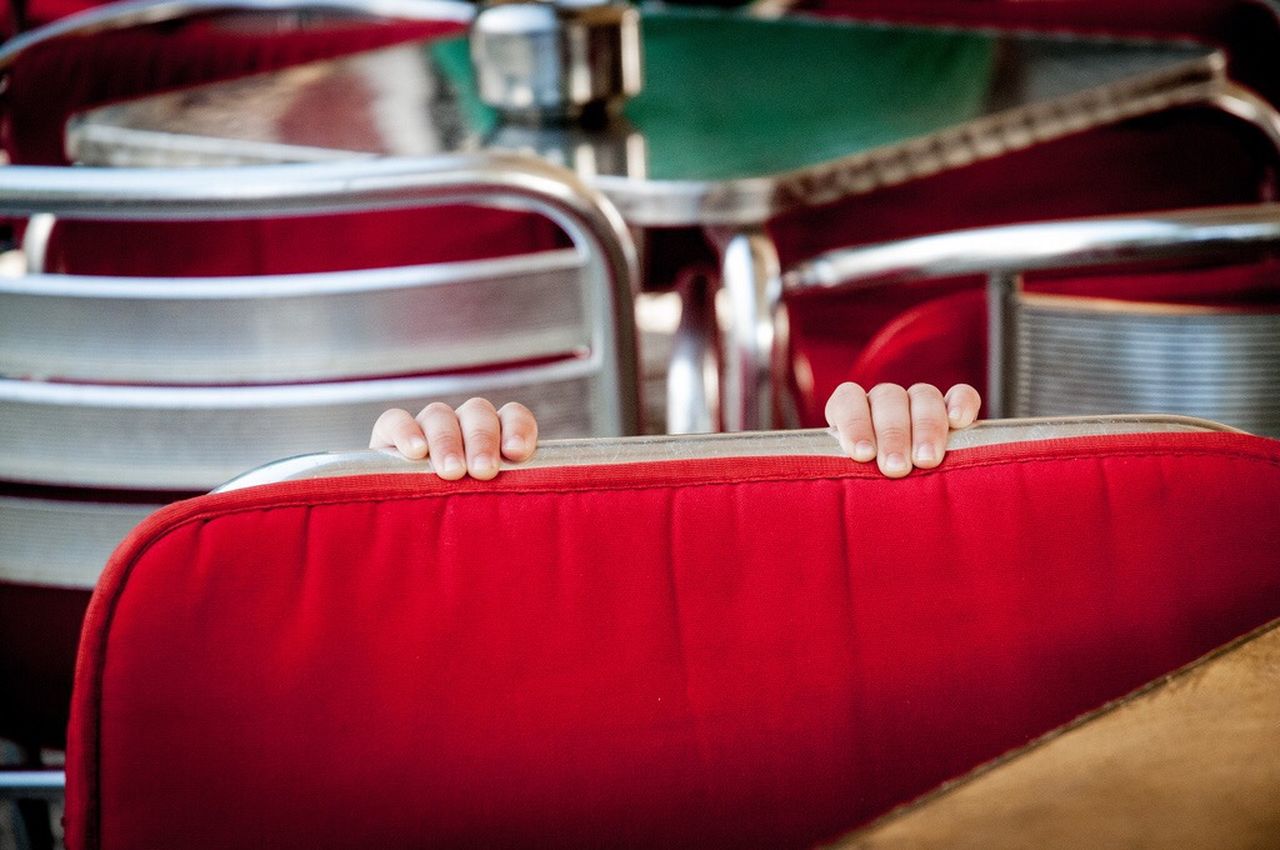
<point>897,427</point>
<point>462,441</point>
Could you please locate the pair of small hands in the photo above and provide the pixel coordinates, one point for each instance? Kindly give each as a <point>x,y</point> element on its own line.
<point>899,428</point>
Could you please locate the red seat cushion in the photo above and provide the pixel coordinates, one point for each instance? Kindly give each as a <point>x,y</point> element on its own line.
<point>735,652</point>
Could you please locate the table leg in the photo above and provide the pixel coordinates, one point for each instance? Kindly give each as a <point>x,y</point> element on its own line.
<point>752,336</point>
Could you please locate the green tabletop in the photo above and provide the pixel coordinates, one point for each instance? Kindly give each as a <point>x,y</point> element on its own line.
<point>728,96</point>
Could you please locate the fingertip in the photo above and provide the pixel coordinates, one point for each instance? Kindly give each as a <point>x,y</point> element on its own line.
<point>483,467</point>
<point>863,451</point>
<point>451,468</point>
<point>926,456</point>
<point>413,447</point>
<point>515,447</point>
<point>894,465</point>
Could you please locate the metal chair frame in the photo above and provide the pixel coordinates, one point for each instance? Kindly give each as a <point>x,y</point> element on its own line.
<point>1005,253</point>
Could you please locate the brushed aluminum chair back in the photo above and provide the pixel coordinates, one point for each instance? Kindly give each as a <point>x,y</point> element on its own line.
<point>1052,354</point>
<point>1089,355</point>
<point>177,384</point>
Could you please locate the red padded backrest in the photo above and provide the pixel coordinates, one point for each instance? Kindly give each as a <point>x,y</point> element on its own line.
<point>735,652</point>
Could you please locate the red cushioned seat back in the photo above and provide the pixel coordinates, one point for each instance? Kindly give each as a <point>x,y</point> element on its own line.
<point>731,652</point>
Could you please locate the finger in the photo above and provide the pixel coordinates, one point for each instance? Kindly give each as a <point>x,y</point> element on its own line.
<point>929,425</point>
<point>963,404</point>
<point>480,435</point>
<point>519,431</point>
<point>444,439</point>
<point>849,413</point>
<point>891,417</point>
<point>397,429</point>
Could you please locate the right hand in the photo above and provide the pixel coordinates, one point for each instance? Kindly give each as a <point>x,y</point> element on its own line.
<point>467,440</point>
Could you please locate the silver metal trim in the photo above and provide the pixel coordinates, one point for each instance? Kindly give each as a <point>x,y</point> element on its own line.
<point>191,438</point>
<point>811,442</point>
<point>693,373</point>
<point>62,542</point>
<point>32,784</point>
<point>752,278</point>
<point>304,327</point>
<point>1226,232</point>
<point>134,13</point>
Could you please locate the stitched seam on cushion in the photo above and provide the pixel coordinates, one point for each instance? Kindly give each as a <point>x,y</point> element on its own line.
<point>93,840</point>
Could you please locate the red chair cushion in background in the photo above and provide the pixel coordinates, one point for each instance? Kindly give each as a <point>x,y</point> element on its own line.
<point>740,652</point>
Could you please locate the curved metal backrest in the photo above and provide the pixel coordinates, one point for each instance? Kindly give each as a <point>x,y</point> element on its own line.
<point>1051,355</point>
<point>567,314</point>
<point>135,13</point>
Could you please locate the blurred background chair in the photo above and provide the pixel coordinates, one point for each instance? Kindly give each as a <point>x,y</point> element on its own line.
<point>1200,341</point>
<point>119,393</point>
<point>125,50</point>
<point>1191,157</point>
<point>525,661</point>
<point>1167,312</point>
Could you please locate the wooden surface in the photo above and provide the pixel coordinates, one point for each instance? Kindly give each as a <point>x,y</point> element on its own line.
<point>1191,761</point>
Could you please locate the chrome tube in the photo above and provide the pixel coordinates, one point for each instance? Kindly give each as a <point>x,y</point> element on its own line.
<point>1226,232</point>
<point>751,277</point>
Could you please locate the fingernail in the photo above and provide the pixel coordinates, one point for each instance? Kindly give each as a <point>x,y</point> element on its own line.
<point>453,465</point>
<point>896,462</point>
<point>417,445</point>
<point>482,465</point>
<point>954,414</point>
<point>925,454</point>
<point>864,451</point>
<point>513,444</point>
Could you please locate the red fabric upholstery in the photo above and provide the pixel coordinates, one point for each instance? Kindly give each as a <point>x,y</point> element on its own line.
<point>741,652</point>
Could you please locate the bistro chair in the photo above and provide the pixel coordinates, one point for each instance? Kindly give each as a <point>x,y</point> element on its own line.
<point>1194,341</point>
<point>118,394</point>
<point>124,50</point>
<point>721,641</point>
<point>1184,158</point>
<point>1053,353</point>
